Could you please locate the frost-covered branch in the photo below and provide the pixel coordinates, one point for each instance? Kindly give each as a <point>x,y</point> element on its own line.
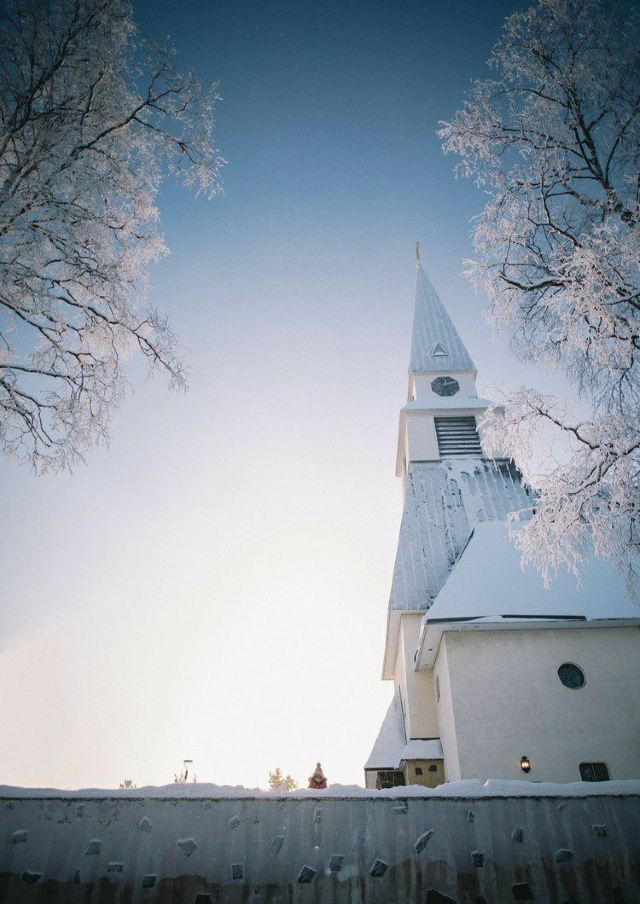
<point>588,486</point>
<point>90,120</point>
<point>554,138</point>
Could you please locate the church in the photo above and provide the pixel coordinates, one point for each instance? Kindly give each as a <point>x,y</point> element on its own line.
<point>494,675</point>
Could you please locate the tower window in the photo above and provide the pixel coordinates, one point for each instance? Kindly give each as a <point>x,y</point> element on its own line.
<point>445,386</point>
<point>457,436</point>
<point>571,676</point>
<point>594,772</point>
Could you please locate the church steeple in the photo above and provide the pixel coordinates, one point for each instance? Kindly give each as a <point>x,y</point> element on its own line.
<point>449,484</point>
<point>439,420</point>
<point>456,578</point>
<point>436,344</point>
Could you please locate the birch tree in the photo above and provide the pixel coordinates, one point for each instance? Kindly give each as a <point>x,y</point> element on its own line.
<point>554,140</point>
<point>91,120</point>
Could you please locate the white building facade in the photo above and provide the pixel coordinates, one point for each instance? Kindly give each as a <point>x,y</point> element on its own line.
<point>494,675</point>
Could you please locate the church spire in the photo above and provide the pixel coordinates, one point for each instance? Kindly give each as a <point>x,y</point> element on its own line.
<point>436,344</point>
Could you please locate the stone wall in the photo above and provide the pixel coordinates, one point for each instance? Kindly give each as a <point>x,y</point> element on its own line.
<point>359,850</point>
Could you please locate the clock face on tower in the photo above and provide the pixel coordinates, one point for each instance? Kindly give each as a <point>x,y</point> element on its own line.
<point>445,386</point>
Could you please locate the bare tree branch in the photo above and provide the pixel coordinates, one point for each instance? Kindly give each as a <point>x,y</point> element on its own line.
<point>555,138</point>
<point>90,119</point>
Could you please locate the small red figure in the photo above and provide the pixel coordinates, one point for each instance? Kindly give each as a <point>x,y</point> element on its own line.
<point>318,780</point>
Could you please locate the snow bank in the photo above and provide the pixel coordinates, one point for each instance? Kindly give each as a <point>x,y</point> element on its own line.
<point>471,788</point>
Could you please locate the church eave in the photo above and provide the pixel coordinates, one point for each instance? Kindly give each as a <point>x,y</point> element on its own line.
<point>445,369</point>
<point>457,405</point>
<point>466,405</point>
<point>431,632</point>
<point>394,616</point>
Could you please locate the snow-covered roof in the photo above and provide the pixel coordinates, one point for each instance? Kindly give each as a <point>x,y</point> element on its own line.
<point>436,344</point>
<point>444,501</point>
<point>391,747</point>
<point>430,749</point>
<point>456,405</point>
<point>391,740</point>
<point>506,590</point>
<point>502,595</point>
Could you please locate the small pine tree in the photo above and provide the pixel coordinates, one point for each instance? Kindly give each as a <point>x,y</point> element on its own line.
<point>280,782</point>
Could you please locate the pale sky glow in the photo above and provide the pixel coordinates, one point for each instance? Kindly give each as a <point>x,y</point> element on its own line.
<point>214,585</point>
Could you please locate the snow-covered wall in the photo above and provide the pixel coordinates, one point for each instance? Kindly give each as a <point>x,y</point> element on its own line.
<point>459,845</point>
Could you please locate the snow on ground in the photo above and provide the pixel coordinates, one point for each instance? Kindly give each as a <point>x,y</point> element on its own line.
<point>471,788</point>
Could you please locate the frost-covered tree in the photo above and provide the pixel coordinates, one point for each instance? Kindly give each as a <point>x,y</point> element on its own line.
<point>280,782</point>
<point>91,119</point>
<point>554,140</point>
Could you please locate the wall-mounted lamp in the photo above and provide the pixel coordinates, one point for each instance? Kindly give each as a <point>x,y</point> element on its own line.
<point>525,763</point>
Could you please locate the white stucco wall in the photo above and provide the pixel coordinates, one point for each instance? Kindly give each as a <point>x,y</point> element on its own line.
<point>400,674</point>
<point>417,688</point>
<point>446,720</point>
<point>507,701</point>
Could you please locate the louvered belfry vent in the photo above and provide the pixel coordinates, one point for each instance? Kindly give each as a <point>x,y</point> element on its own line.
<point>457,436</point>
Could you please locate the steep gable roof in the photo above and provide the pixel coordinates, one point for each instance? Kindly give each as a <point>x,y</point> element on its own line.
<point>391,747</point>
<point>391,740</point>
<point>435,344</point>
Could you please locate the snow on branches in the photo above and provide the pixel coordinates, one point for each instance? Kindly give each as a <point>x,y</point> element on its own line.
<point>90,117</point>
<point>554,139</point>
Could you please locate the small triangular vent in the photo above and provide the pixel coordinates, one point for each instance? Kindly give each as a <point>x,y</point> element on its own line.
<point>439,351</point>
<point>457,436</point>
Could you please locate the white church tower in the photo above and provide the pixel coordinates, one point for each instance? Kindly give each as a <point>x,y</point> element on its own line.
<point>494,675</point>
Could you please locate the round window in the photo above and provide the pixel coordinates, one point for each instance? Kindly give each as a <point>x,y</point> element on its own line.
<point>571,675</point>
<point>445,386</point>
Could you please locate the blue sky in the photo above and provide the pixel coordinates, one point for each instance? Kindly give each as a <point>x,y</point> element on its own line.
<point>214,585</point>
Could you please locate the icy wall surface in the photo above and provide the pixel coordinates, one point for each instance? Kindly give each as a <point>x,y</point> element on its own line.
<point>380,848</point>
